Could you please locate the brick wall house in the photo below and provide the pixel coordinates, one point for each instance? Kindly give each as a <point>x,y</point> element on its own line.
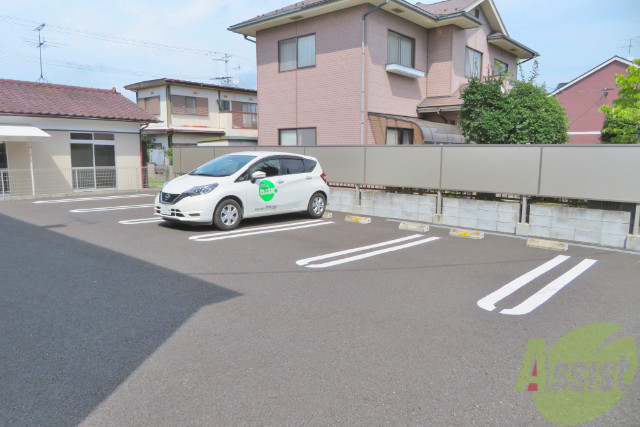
<point>583,97</point>
<point>321,82</point>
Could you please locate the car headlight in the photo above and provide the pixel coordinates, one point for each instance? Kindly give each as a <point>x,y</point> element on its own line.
<point>200,190</point>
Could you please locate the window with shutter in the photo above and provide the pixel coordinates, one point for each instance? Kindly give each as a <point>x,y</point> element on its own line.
<point>178,104</point>
<point>202,106</point>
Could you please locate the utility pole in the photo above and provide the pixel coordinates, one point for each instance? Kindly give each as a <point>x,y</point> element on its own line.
<point>41,43</point>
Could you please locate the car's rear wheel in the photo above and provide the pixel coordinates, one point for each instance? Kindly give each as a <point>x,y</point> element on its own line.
<point>317,205</point>
<point>227,215</point>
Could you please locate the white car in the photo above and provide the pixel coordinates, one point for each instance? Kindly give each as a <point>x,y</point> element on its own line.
<point>245,185</point>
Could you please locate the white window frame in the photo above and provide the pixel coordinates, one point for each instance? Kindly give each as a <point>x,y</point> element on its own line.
<point>93,141</point>
<point>290,64</point>
<point>472,63</point>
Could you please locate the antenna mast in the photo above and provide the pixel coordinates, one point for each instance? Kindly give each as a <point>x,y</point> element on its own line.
<point>41,43</point>
<point>226,80</point>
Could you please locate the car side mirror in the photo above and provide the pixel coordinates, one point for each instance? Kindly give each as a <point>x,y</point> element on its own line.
<point>258,175</point>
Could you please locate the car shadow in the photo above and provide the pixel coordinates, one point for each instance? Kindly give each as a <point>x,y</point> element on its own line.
<point>77,319</point>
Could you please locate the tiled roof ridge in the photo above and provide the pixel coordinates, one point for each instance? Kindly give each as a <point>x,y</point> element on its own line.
<point>56,85</point>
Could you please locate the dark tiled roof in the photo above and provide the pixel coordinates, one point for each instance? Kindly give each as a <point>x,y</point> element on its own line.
<point>164,81</point>
<point>300,4</point>
<point>45,99</point>
<point>445,7</point>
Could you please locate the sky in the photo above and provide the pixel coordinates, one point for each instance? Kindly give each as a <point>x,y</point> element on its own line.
<point>105,44</point>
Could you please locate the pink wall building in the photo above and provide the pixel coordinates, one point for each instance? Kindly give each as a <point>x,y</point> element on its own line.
<point>583,96</point>
<point>350,72</point>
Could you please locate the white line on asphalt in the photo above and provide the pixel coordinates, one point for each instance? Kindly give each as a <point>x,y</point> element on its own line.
<point>306,261</point>
<point>489,302</point>
<point>372,254</point>
<point>141,221</point>
<point>87,199</point>
<point>540,297</point>
<point>243,233</point>
<point>248,230</point>
<point>111,208</point>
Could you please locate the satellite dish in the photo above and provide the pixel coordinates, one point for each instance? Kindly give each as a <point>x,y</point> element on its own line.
<point>236,81</point>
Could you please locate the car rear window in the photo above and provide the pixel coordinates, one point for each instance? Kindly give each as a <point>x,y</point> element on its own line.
<point>292,166</point>
<point>309,165</point>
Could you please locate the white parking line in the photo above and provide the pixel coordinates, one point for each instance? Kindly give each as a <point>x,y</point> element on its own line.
<point>489,302</point>
<point>540,297</point>
<point>87,199</point>
<point>111,208</point>
<point>258,230</point>
<point>369,254</point>
<point>350,251</point>
<point>141,221</point>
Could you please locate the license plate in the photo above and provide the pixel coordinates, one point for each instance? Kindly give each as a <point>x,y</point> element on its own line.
<point>165,210</point>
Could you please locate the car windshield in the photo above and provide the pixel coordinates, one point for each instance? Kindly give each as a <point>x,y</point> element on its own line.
<point>223,166</point>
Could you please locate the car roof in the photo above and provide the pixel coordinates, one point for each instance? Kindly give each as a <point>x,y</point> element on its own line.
<point>261,154</point>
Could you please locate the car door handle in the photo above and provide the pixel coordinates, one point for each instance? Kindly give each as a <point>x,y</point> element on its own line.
<point>309,177</point>
<point>280,181</point>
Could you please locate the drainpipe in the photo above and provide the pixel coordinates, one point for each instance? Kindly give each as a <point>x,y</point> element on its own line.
<point>246,37</point>
<point>364,17</point>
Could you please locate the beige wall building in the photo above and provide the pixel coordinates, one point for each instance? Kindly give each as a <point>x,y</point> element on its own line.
<point>58,139</point>
<point>191,114</point>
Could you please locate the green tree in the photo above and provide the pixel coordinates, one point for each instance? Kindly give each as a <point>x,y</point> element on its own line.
<point>536,117</point>
<point>485,117</point>
<point>524,114</point>
<point>622,125</point>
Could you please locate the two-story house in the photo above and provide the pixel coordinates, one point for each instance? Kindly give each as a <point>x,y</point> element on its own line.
<point>192,113</point>
<point>583,96</point>
<point>354,72</point>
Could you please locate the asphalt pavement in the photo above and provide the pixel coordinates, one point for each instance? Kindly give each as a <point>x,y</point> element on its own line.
<point>111,317</point>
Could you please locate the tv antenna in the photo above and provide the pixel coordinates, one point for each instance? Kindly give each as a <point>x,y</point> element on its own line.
<point>41,43</point>
<point>633,41</point>
<point>226,80</point>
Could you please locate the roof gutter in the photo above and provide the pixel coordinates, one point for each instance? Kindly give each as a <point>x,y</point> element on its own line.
<point>362,88</point>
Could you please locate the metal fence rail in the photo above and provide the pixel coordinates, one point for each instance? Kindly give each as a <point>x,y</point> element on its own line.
<point>18,182</point>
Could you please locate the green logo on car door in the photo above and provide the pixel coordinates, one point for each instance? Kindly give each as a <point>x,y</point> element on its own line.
<point>267,190</point>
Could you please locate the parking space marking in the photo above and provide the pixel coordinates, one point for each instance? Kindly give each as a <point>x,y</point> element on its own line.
<point>527,306</point>
<point>489,302</point>
<point>544,294</point>
<point>258,230</point>
<point>111,208</point>
<point>141,221</point>
<point>306,261</point>
<point>87,199</point>
<point>370,254</point>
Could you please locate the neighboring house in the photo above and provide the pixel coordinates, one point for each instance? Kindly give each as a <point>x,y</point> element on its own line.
<point>583,96</point>
<point>191,113</point>
<point>371,72</point>
<point>59,139</point>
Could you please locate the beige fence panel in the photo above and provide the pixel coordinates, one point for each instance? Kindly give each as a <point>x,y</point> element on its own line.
<point>420,166</point>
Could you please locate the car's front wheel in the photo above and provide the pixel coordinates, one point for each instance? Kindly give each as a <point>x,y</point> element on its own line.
<point>317,205</point>
<point>227,215</point>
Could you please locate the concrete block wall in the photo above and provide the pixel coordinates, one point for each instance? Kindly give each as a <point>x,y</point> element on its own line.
<point>481,214</point>
<point>600,227</point>
<point>411,207</point>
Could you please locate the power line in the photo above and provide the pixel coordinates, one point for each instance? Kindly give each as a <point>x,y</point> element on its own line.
<point>82,67</point>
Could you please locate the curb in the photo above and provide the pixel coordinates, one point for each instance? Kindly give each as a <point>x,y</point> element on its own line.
<point>358,219</point>
<point>547,244</point>
<point>468,234</point>
<point>413,226</point>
